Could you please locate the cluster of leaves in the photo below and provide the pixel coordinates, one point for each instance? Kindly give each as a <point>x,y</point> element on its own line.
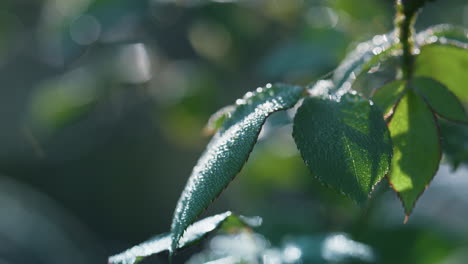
<point>350,141</point>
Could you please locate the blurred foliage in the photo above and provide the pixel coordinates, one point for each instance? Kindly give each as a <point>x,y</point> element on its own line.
<point>103,105</point>
<point>227,222</point>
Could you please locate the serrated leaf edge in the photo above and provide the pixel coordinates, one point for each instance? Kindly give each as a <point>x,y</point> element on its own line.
<point>408,211</point>
<point>434,110</point>
<point>339,191</point>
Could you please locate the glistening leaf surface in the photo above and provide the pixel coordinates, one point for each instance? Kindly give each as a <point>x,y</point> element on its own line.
<point>194,233</point>
<point>447,65</point>
<point>361,59</point>
<point>443,34</point>
<point>387,96</point>
<point>228,151</point>
<point>345,144</point>
<point>416,148</point>
<point>441,100</point>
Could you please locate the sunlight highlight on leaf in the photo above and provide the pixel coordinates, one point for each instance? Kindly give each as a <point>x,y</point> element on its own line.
<point>361,59</point>
<point>444,34</point>
<point>416,148</point>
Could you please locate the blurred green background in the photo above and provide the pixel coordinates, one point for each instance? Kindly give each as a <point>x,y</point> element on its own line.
<point>102,109</point>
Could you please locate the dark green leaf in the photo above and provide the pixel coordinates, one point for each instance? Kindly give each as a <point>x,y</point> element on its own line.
<point>441,100</point>
<point>447,65</point>
<point>388,95</point>
<point>228,151</point>
<point>345,144</point>
<point>454,143</point>
<point>416,148</point>
<point>194,234</point>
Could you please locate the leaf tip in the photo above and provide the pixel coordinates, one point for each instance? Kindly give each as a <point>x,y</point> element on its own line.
<point>406,219</point>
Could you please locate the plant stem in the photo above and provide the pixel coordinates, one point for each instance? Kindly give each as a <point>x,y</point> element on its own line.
<point>404,24</point>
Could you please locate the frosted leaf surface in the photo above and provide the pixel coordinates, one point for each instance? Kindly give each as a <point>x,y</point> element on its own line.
<point>361,59</point>
<point>443,35</point>
<point>228,150</point>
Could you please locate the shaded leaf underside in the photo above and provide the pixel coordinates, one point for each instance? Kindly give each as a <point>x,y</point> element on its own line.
<point>446,64</point>
<point>386,96</point>
<point>440,99</point>
<point>454,142</point>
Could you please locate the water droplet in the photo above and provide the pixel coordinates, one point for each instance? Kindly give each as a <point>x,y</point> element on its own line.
<point>363,47</point>
<point>268,86</point>
<point>379,40</point>
<point>416,51</point>
<point>377,50</point>
<point>259,90</point>
<point>443,40</point>
<point>240,102</point>
<point>248,95</point>
<point>432,39</point>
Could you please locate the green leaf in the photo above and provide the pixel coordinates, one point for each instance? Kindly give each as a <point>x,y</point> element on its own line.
<point>228,151</point>
<point>361,60</point>
<point>217,119</point>
<point>447,65</point>
<point>388,95</point>
<point>345,144</point>
<point>416,148</point>
<point>441,100</point>
<point>443,34</point>
<point>454,143</point>
<point>194,234</point>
